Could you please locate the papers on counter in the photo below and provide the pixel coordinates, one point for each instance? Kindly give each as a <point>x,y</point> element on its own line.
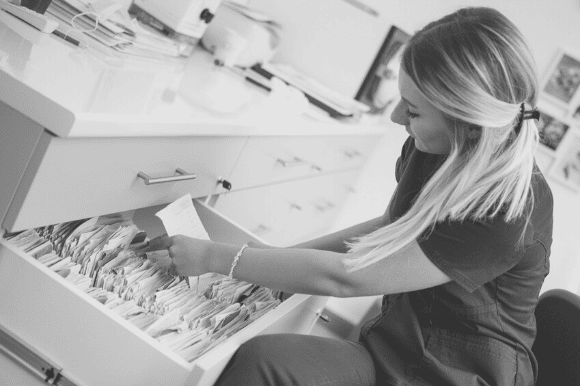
<point>117,30</point>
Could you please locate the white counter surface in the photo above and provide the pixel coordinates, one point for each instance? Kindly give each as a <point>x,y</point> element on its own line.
<point>96,92</point>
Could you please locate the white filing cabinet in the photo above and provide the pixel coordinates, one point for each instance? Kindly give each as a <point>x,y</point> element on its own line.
<point>61,161</point>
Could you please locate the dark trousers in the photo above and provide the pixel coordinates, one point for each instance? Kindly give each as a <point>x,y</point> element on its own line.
<point>290,359</point>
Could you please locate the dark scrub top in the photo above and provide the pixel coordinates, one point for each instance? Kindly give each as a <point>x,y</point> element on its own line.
<point>478,329</point>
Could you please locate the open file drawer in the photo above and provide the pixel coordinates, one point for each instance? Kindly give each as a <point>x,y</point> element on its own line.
<point>95,346</point>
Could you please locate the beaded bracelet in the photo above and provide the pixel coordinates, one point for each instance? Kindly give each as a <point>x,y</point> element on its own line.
<point>236,258</point>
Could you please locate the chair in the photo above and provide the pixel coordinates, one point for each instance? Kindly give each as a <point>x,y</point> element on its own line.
<point>557,345</point>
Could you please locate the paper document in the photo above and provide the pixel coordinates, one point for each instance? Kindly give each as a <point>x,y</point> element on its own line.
<point>180,218</point>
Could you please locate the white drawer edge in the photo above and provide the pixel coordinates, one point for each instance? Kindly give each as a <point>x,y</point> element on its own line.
<point>222,228</point>
<point>300,178</point>
<point>208,359</point>
<point>95,304</point>
<point>210,365</point>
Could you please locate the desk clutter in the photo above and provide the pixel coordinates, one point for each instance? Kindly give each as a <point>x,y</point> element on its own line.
<point>107,23</point>
<point>100,256</point>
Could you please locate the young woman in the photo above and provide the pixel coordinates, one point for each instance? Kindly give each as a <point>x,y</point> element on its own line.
<point>461,252</point>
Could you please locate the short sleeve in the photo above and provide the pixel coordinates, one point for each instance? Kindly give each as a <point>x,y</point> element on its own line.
<point>474,253</point>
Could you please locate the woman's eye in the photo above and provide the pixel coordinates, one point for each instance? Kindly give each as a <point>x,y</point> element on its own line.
<point>412,115</point>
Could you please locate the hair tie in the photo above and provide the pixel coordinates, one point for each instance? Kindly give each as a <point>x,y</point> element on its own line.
<point>532,114</point>
<point>525,114</point>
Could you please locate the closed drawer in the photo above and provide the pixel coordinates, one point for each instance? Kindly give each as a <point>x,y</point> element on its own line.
<point>268,160</point>
<point>288,213</point>
<point>95,346</point>
<point>347,151</point>
<point>273,159</point>
<point>76,178</point>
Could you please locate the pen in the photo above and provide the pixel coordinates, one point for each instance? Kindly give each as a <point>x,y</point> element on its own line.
<point>257,80</point>
<point>69,39</point>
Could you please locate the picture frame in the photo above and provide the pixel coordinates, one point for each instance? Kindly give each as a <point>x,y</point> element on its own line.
<point>379,88</point>
<point>574,111</point>
<point>566,166</point>
<point>552,130</point>
<point>561,84</point>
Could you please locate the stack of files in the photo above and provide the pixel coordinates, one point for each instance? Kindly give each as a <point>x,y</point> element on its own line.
<point>118,30</point>
<point>334,103</point>
<point>101,256</point>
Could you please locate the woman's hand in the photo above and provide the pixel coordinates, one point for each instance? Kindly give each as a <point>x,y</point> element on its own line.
<point>189,256</point>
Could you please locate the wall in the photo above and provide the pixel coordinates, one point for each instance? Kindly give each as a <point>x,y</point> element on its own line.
<point>326,43</point>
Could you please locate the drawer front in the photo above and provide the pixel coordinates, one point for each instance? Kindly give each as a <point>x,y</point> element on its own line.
<point>290,212</point>
<point>274,159</point>
<point>347,151</point>
<point>75,178</point>
<point>76,332</point>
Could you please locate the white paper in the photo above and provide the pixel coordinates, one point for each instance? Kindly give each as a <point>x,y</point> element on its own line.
<point>180,218</point>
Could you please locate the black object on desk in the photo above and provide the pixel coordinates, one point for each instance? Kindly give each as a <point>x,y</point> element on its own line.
<point>67,38</point>
<point>39,6</point>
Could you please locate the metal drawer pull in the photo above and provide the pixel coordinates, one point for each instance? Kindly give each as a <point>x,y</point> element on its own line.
<point>293,162</point>
<point>352,153</point>
<point>324,317</point>
<point>182,176</point>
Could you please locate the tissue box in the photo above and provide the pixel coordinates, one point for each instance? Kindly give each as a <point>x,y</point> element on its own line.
<point>185,20</point>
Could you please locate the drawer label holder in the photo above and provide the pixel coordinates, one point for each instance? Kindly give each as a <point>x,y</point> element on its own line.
<point>30,359</point>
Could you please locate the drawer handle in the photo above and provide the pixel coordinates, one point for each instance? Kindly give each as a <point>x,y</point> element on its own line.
<point>323,207</point>
<point>294,206</point>
<point>291,163</point>
<point>324,317</point>
<point>182,176</point>
<point>351,153</point>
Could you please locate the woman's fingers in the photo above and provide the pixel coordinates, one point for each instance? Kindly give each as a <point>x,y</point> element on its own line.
<point>159,242</point>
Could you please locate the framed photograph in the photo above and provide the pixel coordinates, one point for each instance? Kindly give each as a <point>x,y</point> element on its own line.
<point>380,87</point>
<point>566,166</point>
<point>574,114</point>
<point>562,81</point>
<point>552,130</point>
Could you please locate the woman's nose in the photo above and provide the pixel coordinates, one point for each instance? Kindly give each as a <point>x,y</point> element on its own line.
<point>398,114</point>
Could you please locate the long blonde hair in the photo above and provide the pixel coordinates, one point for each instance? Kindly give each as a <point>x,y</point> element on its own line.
<point>475,67</point>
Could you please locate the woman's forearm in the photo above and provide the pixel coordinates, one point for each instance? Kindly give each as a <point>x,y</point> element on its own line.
<point>294,270</point>
<point>313,267</point>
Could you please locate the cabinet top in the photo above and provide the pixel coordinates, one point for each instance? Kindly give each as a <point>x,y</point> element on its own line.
<point>96,92</point>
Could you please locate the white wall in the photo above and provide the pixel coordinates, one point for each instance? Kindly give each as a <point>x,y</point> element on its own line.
<point>321,41</point>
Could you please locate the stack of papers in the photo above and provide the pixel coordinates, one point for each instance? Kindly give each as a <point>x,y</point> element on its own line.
<point>334,103</point>
<point>101,257</point>
<point>117,30</point>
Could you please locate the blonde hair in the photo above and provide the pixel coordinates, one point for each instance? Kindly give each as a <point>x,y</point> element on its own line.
<point>475,67</point>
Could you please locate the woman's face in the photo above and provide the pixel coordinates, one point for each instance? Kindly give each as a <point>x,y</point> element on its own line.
<point>429,127</point>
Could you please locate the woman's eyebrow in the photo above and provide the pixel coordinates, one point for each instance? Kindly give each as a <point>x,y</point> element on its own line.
<point>409,103</point>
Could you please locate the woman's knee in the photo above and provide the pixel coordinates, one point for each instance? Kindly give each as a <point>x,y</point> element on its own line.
<point>266,348</point>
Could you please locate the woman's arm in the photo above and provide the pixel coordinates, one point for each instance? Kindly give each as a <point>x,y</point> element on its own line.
<point>307,271</point>
<point>324,273</point>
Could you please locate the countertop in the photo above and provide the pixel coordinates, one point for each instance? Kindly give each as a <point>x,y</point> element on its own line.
<point>97,92</point>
